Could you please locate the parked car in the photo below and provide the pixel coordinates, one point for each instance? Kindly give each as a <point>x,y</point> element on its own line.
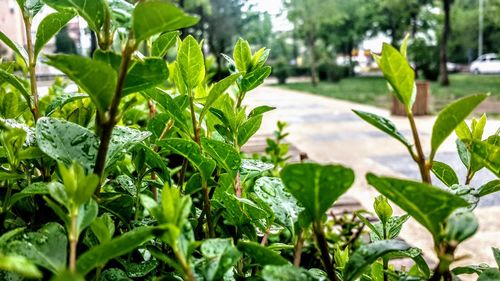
<point>487,63</point>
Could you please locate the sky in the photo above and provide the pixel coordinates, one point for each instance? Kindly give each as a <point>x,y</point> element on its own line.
<point>275,9</point>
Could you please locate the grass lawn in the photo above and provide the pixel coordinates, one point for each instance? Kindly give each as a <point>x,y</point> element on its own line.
<point>373,90</point>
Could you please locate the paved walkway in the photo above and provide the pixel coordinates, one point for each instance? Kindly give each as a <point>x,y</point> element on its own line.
<point>328,131</point>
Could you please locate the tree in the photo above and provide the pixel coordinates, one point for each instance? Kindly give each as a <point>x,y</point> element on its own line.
<point>443,54</point>
<point>395,18</point>
<point>64,43</point>
<point>308,16</point>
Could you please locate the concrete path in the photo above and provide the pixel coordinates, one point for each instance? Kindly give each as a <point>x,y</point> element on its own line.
<point>328,131</point>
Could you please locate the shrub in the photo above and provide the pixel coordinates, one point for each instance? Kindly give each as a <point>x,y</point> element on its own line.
<point>281,70</point>
<point>141,175</point>
<point>333,72</point>
<point>425,58</point>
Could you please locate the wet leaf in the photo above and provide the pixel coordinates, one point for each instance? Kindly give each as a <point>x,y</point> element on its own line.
<point>49,27</point>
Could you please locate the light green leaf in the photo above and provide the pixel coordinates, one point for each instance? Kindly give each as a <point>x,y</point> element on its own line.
<point>123,244</point>
<point>398,72</point>
<point>242,55</point>
<point>463,132</point>
<point>260,110</point>
<point>362,258</point>
<point>478,127</point>
<point>61,101</point>
<point>153,17</point>
<point>103,227</point>
<point>487,154</point>
<point>496,255</point>
<point>191,62</point>
<point>19,265</point>
<point>444,173</point>
<point>255,78</point>
<point>163,43</point>
<point>145,74</point>
<point>450,117</point>
<point>260,254</point>
<point>191,151</point>
<point>94,12</point>
<point>382,208</point>
<point>427,204</point>
<point>30,7</point>
<point>260,58</point>
<point>18,49</point>
<point>49,27</point>
<point>224,154</point>
<point>96,78</point>
<point>16,83</point>
<point>383,124</point>
<point>316,186</point>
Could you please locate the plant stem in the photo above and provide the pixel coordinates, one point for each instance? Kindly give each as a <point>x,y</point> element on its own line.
<point>445,254</point>
<point>193,119</point>
<point>73,241</point>
<point>32,68</point>
<point>108,123</point>
<point>470,175</point>
<point>298,249</point>
<point>184,264</point>
<point>422,163</point>
<point>207,208</point>
<point>322,244</point>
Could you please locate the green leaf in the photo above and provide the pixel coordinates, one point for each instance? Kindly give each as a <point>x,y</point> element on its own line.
<point>273,193</point>
<point>478,127</point>
<point>137,270</point>
<point>383,124</point>
<point>242,55</point>
<point>398,72</point>
<point>450,117</point>
<point>316,186</point>
<point>217,90</point>
<point>255,78</point>
<point>219,256</point>
<point>191,151</point>
<point>67,142</point>
<point>86,215</point>
<point>103,228</point>
<point>96,78</point>
<point>172,109</point>
<point>152,17</point>
<point>490,187</point>
<point>259,110</point>
<point>18,49</point>
<point>19,265</point>
<point>94,12</point>
<point>496,255</point>
<point>427,204</point>
<point>287,273</point>
<point>191,63</point>
<point>463,132</point>
<point>470,269</point>
<point>49,27</point>
<point>248,129</point>
<point>362,258</point>
<point>224,154</point>
<point>145,74</point>
<point>444,173</point>
<point>163,43</point>
<point>487,154</point>
<point>61,101</point>
<point>260,58</point>
<point>463,153</point>
<point>123,244</point>
<point>108,57</point>
<point>260,254</point>
<point>46,247</point>
<point>37,188</point>
<point>30,7</point>
<point>491,274</point>
<point>16,83</point>
<point>461,226</point>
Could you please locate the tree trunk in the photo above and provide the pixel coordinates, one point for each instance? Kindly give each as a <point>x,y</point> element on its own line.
<point>443,55</point>
<point>312,44</point>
